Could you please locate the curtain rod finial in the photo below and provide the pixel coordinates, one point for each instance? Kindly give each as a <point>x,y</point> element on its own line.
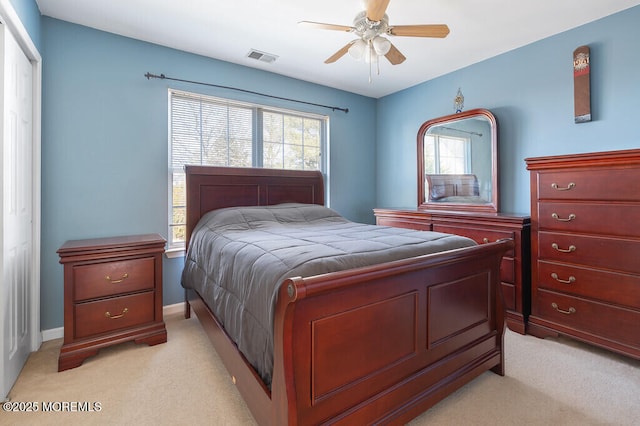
<point>150,76</point>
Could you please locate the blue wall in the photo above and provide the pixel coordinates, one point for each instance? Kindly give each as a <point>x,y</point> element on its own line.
<point>105,143</point>
<point>104,130</point>
<point>29,14</point>
<point>530,90</point>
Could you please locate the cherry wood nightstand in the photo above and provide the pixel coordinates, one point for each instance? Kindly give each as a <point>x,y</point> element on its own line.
<point>112,294</point>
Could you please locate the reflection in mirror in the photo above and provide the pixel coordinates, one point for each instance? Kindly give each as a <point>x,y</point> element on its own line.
<point>457,162</point>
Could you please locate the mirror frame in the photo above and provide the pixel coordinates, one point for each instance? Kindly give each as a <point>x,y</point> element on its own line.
<point>492,205</point>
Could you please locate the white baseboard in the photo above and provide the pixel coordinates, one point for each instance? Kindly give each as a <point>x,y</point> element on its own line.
<point>58,333</point>
<point>52,334</point>
<point>172,309</point>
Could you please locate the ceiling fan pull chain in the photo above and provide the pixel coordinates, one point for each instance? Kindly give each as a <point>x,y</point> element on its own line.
<point>371,52</point>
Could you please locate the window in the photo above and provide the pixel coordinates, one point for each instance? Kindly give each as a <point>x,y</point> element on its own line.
<point>218,132</point>
<point>446,154</point>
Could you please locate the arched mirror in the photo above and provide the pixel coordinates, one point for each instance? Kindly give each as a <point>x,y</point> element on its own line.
<point>458,162</point>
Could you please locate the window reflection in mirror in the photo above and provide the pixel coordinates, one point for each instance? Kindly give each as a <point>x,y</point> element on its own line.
<point>458,162</point>
<point>446,154</point>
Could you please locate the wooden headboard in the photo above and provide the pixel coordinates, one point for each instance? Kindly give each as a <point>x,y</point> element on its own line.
<point>211,188</point>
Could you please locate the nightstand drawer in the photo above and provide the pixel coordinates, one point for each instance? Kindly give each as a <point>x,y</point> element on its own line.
<point>110,278</point>
<point>111,314</point>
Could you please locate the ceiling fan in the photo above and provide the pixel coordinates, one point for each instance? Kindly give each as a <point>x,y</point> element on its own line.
<point>371,25</point>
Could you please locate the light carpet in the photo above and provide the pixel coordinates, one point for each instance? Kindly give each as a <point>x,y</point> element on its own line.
<point>547,381</point>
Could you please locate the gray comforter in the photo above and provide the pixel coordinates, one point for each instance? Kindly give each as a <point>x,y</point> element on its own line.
<point>238,257</point>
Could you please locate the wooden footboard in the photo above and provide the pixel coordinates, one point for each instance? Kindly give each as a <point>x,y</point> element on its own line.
<point>375,345</point>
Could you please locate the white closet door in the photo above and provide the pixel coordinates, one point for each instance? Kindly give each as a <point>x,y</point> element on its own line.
<point>16,211</point>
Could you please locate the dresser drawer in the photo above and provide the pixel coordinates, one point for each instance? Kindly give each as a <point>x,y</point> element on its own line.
<point>610,253</point>
<point>508,270</point>
<point>404,223</point>
<point>480,236</point>
<point>110,278</point>
<point>621,289</point>
<point>111,314</point>
<point>619,184</point>
<point>509,295</point>
<point>611,322</point>
<point>618,219</point>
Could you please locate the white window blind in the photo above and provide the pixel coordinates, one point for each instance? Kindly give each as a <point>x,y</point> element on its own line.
<point>212,131</point>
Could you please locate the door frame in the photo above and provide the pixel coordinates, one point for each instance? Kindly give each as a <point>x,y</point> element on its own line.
<point>13,23</point>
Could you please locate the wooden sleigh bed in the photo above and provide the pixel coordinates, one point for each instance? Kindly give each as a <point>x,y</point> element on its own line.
<point>425,325</point>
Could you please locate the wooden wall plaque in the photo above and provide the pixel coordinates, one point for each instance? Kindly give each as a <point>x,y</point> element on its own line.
<point>581,84</point>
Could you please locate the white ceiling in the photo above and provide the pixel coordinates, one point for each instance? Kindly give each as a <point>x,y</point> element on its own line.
<point>228,29</point>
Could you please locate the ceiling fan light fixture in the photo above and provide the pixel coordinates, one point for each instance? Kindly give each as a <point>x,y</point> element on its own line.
<point>371,28</point>
<point>358,48</point>
<point>381,45</point>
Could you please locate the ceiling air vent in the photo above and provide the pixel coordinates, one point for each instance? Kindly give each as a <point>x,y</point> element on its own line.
<point>261,56</point>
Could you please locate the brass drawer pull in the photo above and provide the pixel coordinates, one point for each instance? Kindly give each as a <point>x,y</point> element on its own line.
<point>571,279</point>
<point>108,314</point>
<point>568,187</point>
<point>559,219</point>
<point>571,310</point>
<point>487,240</point>
<point>118,280</point>
<point>569,250</point>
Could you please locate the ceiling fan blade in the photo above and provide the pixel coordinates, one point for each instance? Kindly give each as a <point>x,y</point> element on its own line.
<point>322,26</point>
<point>339,54</point>
<point>394,56</point>
<point>376,9</point>
<point>437,30</point>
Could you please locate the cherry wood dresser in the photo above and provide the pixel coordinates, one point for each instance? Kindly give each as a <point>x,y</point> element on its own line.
<point>585,212</point>
<point>482,227</point>
<point>112,294</point>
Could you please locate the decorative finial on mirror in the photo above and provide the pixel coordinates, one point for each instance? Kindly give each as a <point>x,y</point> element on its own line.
<point>458,101</point>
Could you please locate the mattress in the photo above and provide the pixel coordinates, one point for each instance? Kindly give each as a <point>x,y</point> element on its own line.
<point>238,257</point>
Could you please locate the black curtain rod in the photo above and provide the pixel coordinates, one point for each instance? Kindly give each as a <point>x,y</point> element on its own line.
<point>164,77</point>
